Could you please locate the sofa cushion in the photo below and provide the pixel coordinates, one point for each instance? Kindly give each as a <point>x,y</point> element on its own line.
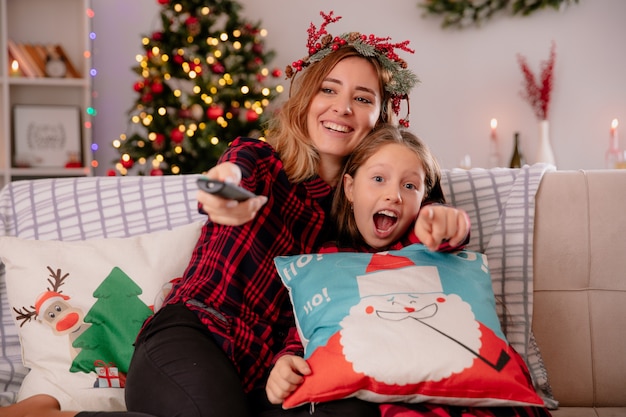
<point>408,325</point>
<point>83,208</point>
<point>501,206</point>
<point>80,304</point>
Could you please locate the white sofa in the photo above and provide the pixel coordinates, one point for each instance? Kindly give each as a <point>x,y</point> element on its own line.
<point>570,235</point>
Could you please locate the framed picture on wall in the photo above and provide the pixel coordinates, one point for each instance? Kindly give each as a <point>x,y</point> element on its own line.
<point>46,136</point>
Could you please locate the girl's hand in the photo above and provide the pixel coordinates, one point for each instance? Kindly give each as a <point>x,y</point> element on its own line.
<point>436,223</point>
<point>228,212</point>
<point>286,375</point>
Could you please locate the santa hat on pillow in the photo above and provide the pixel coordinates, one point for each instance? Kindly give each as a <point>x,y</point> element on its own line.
<point>47,298</point>
<point>392,274</point>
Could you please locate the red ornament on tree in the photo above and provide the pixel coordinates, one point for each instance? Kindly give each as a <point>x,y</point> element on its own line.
<point>147,98</point>
<point>276,73</point>
<point>157,87</point>
<point>214,112</point>
<point>218,68</point>
<point>197,69</point>
<point>127,163</point>
<point>177,136</point>
<point>156,172</point>
<point>111,173</point>
<point>193,25</point>
<point>252,116</point>
<point>159,141</point>
<point>138,86</point>
<point>191,20</point>
<point>234,111</point>
<point>163,1</point>
<point>157,36</point>
<point>184,114</point>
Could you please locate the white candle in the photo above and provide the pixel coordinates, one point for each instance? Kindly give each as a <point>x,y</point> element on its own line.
<point>494,151</point>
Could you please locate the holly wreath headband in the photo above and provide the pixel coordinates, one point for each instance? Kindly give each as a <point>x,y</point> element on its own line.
<point>321,43</point>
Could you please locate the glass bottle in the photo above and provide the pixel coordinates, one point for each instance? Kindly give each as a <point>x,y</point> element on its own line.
<point>517,159</point>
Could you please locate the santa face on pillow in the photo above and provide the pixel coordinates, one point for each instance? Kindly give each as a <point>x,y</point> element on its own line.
<point>404,313</point>
<point>408,337</point>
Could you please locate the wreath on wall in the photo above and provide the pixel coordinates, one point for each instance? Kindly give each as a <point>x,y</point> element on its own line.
<point>463,13</point>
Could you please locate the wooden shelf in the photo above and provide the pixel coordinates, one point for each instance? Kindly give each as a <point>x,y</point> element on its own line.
<point>58,22</point>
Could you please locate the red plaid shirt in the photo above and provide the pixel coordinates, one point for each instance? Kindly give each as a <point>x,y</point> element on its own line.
<point>231,281</point>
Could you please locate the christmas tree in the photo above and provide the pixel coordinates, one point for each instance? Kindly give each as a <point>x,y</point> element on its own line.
<point>203,82</point>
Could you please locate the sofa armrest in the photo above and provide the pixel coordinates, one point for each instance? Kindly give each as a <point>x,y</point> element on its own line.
<point>579,315</point>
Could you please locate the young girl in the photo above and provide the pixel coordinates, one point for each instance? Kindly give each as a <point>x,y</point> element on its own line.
<point>390,197</point>
<point>390,176</point>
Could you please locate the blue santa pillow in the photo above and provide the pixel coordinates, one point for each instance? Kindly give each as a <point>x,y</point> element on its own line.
<point>408,325</point>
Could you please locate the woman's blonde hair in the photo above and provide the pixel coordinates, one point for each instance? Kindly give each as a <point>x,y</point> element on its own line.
<point>342,214</point>
<point>288,131</point>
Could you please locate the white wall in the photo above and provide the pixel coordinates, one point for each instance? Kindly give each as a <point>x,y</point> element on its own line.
<point>467,76</point>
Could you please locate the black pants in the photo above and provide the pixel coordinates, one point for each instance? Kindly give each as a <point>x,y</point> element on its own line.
<point>177,370</point>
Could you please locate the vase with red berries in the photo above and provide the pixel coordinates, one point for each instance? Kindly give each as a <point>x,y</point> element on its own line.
<point>537,91</point>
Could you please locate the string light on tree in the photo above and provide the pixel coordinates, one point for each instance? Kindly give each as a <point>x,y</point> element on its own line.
<point>203,81</point>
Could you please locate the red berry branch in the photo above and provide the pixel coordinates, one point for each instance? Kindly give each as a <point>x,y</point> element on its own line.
<point>537,92</point>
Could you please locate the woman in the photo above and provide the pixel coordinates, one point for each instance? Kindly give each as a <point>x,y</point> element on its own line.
<point>209,350</point>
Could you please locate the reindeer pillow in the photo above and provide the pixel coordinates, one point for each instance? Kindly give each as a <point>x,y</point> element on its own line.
<point>80,304</point>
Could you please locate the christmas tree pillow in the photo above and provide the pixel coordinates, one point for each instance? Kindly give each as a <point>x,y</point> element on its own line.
<point>408,325</point>
<point>80,304</point>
